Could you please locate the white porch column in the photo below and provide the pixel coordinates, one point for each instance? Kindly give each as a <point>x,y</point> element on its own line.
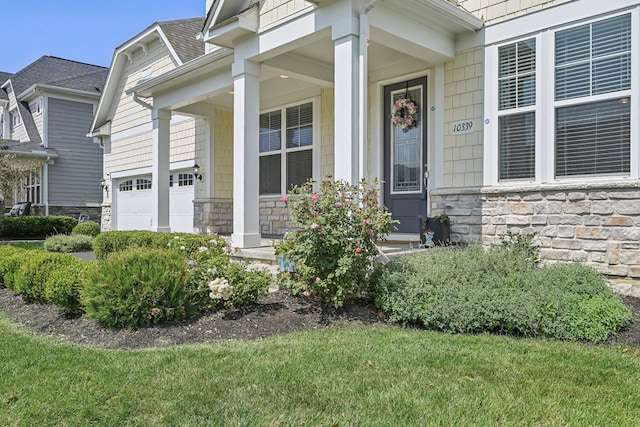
<point>347,108</point>
<point>160,170</point>
<point>246,116</point>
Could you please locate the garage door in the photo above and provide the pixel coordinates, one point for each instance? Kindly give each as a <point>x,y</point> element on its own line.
<point>134,204</point>
<point>135,201</point>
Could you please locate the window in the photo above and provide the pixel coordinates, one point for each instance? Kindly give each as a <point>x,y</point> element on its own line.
<point>291,164</point>
<point>170,181</point>
<point>15,119</point>
<point>143,184</point>
<point>37,107</point>
<point>185,179</point>
<point>572,122</point>
<point>593,138</point>
<point>34,189</point>
<point>516,102</point>
<point>126,185</point>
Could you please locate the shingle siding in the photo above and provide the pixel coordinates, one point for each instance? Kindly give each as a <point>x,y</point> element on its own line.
<point>74,178</point>
<point>494,11</point>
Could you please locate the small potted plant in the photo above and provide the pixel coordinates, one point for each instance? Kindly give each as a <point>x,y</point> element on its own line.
<point>439,226</point>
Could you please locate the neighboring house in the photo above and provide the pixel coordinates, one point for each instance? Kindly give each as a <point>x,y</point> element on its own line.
<point>527,118</point>
<point>123,124</point>
<point>45,110</point>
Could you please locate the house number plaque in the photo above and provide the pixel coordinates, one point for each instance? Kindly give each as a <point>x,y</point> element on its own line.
<point>464,126</point>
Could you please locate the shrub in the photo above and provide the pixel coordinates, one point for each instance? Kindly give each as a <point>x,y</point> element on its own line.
<point>88,228</point>
<point>335,242</point>
<point>68,243</point>
<point>36,226</point>
<point>9,262</point>
<point>29,280</point>
<point>63,287</point>
<point>499,291</point>
<point>115,241</point>
<point>138,287</point>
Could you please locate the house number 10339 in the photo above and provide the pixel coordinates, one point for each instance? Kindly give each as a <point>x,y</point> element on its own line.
<point>462,127</point>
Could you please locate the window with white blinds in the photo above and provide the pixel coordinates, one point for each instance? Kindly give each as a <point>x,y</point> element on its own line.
<point>290,163</point>
<point>516,102</point>
<point>593,137</point>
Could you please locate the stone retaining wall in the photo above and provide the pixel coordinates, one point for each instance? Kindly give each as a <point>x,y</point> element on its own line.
<point>95,213</point>
<point>598,225</point>
<point>105,219</point>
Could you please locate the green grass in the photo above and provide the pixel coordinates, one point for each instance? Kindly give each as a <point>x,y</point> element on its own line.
<point>351,376</point>
<point>38,246</point>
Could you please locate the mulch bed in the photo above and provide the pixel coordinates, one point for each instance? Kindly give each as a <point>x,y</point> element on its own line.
<point>276,314</point>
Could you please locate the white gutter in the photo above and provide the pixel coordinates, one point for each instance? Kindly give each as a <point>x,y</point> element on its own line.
<point>137,99</point>
<point>363,92</point>
<point>37,88</point>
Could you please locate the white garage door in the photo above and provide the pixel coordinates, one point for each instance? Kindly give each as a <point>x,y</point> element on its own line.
<point>134,201</point>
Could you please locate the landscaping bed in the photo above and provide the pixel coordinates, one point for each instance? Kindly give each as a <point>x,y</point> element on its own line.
<point>275,314</point>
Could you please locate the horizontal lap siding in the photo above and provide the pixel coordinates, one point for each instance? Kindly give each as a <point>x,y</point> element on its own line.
<point>74,178</point>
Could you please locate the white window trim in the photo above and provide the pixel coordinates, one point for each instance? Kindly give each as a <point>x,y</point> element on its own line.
<point>315,146</point>
<point>546,104</point>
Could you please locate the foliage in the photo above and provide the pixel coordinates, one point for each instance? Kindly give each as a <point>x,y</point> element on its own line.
<point>68,243</point>
<point>14,171</point>
<point>114,241</point>
<point>500,291</point>
<point>36,226</point>
<point>334,245</point>
<point>10,258</point>
<point>138,287</point>
<point>64,285</point>
<point>29,280</point>
<point>88,228</point>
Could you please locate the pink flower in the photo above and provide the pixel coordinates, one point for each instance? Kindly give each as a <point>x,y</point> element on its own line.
<point>366,222</point>
<point>358,250</point>
<point>284,199</point>
<point>315,197</point>
<point>338,205</point>
<point>318,280</point>
<point>306,294</point>
<point>371,232</point>
<point>299,262</point>
<point>314,226</point>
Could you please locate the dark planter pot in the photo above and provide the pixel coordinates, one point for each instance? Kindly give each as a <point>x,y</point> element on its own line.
<point>441,231</point>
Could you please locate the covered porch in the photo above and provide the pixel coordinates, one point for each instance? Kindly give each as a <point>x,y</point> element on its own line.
<point>308,97</point>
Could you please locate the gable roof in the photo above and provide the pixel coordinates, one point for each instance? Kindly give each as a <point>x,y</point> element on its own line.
<point>182,36</point>
<point>179,36</point>
<point>3,78</point>
<point>56,73</point>
<point>222,10</point>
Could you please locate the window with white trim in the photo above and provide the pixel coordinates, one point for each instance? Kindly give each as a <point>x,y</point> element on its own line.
<point>15,119</point>
<point>577,109</point>
<point>143,184</point>
<point>34,188</point>
<point>185,179</point>
<point>283,166</point>
<point>126,185</point>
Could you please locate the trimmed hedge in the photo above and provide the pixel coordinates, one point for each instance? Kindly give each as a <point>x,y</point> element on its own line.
<point>500,291</point>
<point>69,243</point>
<point>10,259</point>
<point>88,228</point>
<point>36,226</point>
<point>64,285</point>
<point>29,280</point>
<point>116,241</point>
<point>137,287</point>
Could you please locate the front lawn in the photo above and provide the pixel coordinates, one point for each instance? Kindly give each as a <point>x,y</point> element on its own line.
<point>37,246</point>
<point>350,376</point>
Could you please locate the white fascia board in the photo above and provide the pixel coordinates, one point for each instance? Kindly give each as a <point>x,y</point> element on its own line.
<point>462,17</point>
<point>102,131</point>
<point>242,25</point>
<point>130,173</point>
<point>37,88</point>
<point>551,17</point>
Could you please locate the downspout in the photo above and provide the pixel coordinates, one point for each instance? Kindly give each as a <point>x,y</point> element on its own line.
<point>363,92</point>
<point>141,102</point>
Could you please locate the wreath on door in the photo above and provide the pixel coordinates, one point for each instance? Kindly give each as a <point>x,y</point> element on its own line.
<point>404,113</point>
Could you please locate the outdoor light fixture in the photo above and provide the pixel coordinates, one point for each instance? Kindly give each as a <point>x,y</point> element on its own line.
<point>105,185</point>
<point>196,171</point>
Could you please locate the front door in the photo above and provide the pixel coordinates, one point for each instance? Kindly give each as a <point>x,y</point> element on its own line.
<point>405,152</point>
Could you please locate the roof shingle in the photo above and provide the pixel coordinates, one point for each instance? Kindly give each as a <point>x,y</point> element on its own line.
<point>182,36</point>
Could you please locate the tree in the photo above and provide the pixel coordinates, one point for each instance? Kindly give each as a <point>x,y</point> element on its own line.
<point>13,172</point>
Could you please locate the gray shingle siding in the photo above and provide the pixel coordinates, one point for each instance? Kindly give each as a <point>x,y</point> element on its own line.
<point>74,178</point>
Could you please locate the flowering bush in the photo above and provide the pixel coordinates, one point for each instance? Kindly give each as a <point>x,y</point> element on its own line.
<point>404,113</point>
<point>334,245</point>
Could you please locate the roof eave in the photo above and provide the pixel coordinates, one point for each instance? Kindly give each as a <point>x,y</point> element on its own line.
<point>37,88</point>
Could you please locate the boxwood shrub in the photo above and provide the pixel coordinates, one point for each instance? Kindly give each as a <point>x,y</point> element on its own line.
<point>114,241</point>
<point>137,287</point>
<point>88,228</point>
<point>10,260</point>
<point>500,291</point>
<point>64,285</point>
<point>69,243</point>
<point>36,226</point>
<point>30,278</point>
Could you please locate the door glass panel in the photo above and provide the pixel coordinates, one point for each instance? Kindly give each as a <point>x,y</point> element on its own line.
<point>406,150</point>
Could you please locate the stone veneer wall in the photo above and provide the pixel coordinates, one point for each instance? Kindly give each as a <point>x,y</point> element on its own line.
<point>213,216</point>
<point>597,225</point>
<point>105,220</point>
<point>95,213</point>
<point>274,217</point>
